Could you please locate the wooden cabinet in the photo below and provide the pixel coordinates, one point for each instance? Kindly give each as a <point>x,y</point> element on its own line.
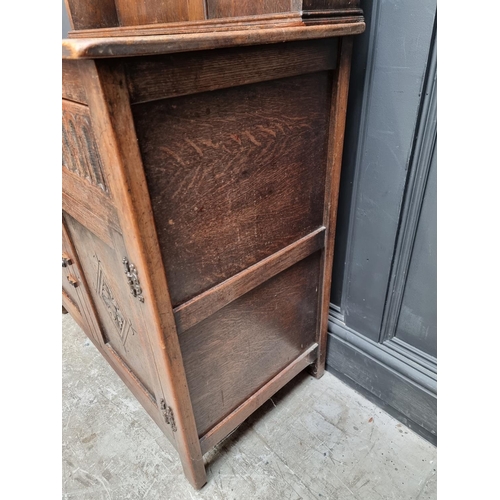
<point>201,163</point>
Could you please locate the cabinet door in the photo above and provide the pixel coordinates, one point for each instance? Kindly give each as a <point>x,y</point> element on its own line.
<point>116,307</point>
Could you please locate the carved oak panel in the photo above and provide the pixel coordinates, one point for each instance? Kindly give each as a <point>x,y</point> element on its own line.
<point>79,149</point>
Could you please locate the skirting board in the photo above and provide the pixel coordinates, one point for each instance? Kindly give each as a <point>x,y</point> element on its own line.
<point>400,396</point>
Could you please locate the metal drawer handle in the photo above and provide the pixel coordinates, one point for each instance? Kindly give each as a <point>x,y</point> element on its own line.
<point>66,261</point>
<point>72,281</point>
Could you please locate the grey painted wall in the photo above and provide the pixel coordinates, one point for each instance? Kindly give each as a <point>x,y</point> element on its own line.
<point>383,311</point>
<point>65,21</point>
<point>418,316</point>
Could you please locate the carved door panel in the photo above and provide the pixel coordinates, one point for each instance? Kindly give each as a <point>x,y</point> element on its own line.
<point>117,309</point>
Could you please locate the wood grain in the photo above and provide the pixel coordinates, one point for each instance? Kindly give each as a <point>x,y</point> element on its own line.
<point>90,206</point>
<point>72,88</point>
<point>129,46</point>
<point>314,18</point>
<point>139,12</point>
<point>236,417</point>
<point>206,304</point>
<point>207,25</point>
<point>237,350</point>
<point>173,75</point>
<point>232,8</point>
<point>85,215</point>
<point>233,174</point>
<point>335,149</point>
<point>91,13</point>
<point>79,149</point>
<point>316,12</point>
<point>112,117</point>
<point>206,151</point>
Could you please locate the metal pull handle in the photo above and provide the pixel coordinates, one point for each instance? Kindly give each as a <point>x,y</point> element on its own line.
<point>133,279</point>
<point>72,281</point>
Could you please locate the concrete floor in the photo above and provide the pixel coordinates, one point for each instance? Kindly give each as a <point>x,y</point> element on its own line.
<point>316,439</point>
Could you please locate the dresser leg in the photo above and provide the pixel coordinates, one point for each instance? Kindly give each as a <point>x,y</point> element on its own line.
<point>317,370</point>
<point>64,310</point>
<point>194,470</point>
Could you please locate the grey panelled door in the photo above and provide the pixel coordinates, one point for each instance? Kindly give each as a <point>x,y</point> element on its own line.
<point>65,21</point>
<point>382,329</point>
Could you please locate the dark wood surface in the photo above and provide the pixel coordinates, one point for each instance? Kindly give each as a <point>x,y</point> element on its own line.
<point>86,195</point>
<point>144,45</point>
<point>257,399</point>
<point>232,8</point>
<point>80,154</point>
<point>238,349</point>
<point>206,25</point>
<point>134,12</point>
<point>89,206</point>
<point>233,174</point>
<point>215,173</point>
<point>72,88</point>
<point>330,4</point>
<point>112,120</point>
<point>209,302</point>
<point>334,162</point>
<point>91,13</point>
<point>174,75</point>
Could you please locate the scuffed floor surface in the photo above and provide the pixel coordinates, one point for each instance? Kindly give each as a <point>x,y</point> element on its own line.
<point>316,439</point>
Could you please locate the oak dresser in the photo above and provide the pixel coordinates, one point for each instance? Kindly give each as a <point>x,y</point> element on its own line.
<point>202,145</point>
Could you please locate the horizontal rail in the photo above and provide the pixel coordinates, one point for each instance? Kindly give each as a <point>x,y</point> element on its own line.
<point>204,305</point>
<point>133,46</point>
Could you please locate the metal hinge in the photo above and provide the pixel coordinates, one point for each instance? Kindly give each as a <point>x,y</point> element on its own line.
<point>168,414</point>
<point>133,279</point>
